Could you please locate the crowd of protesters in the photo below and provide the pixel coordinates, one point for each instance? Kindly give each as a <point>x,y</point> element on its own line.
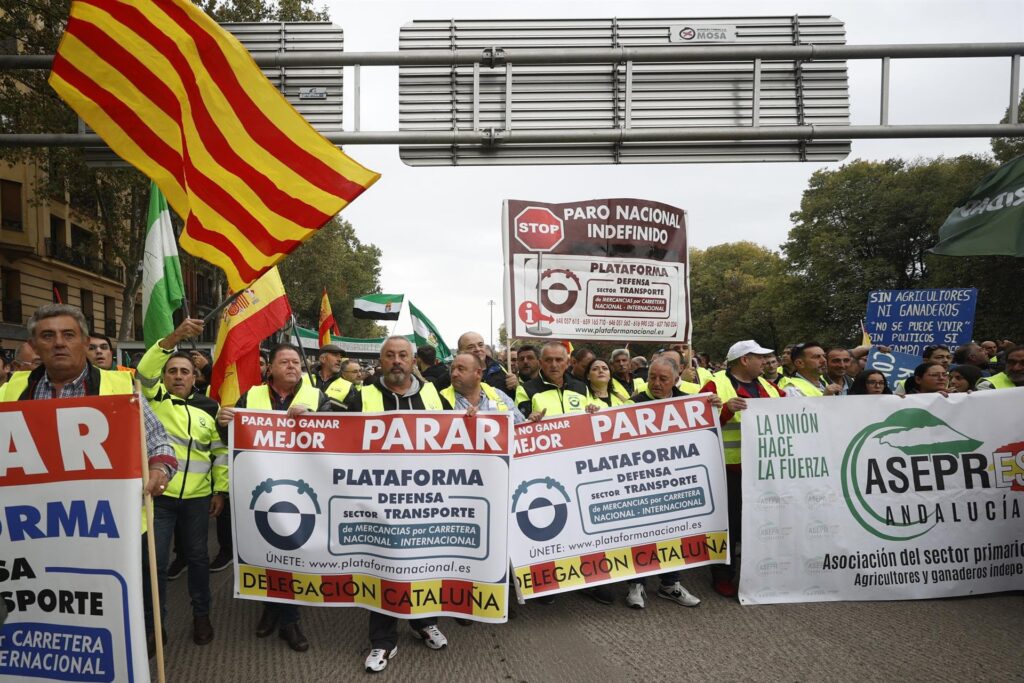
<point>186,431</point>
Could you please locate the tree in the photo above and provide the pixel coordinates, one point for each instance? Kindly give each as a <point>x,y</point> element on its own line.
<point>730,296</point>
<point>867,226</point>
<point>116,200</point>
<point>1005,149</point>
<point>333,258</point>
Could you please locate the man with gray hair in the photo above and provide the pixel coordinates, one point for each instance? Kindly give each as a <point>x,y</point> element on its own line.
<point>397,388</point>
<point>662,378</point>
<point>59,334</point>
<point>623,379</point>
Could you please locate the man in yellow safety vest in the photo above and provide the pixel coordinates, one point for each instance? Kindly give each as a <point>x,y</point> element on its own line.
<point>741,381</point>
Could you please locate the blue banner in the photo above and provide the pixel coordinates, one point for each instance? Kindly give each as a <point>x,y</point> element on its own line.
<point>907,320</point>
<point>895,365</point>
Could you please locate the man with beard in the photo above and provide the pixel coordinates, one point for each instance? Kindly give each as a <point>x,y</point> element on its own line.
<point>1012,376</point>
<point>396,388</point>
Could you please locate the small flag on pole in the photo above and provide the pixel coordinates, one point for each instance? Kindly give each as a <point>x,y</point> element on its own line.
<point>162,287</point>
<point>425,333</point>
<point>989,221</point>
<point>865,338</point>
<point>378,306</point>
<point>257,313</point>
<point>328,324</point>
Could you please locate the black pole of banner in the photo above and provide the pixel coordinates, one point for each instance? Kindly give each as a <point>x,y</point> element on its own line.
<point>221,306</point>
<point>302,349</point>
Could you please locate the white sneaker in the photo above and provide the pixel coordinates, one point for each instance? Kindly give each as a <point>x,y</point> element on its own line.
<point>378,658</point>
<point>676,593</point>
<point>431,637</point>
<point>635,598</point>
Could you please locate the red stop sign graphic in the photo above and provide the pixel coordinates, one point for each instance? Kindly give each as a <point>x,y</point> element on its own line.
<point>538,229</point>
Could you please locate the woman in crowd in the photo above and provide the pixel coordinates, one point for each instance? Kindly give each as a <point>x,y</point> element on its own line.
<point>929,378</point>
<point>599,386</point>
<point>963,378</point>
<point>869,382</point>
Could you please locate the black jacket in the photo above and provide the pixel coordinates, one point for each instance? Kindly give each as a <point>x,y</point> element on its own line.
<point>393,401</point>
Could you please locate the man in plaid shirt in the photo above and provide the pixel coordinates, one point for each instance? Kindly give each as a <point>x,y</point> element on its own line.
<point>60,335</point>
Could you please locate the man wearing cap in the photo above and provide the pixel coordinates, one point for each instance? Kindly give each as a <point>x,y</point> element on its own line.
<point>740,382</point>
<point>329,379</point>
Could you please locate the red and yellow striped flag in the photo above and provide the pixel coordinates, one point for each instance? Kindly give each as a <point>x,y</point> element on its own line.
<point>179,98</point>
<point>257,313</point>
<point>327,322</point>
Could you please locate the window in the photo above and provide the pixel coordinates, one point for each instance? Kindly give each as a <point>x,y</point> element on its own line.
<point>56,230</point>
<point>10,206</point>
<point>88,310</point>
<point>12,296</point>
<point>82,241</point>
<point>60,293</point>
<point>109,317</point>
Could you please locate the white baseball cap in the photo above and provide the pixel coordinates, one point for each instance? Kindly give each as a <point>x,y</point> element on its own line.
<point>742,348</point>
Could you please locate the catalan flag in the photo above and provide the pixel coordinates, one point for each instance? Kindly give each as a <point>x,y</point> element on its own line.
<point>179,98</point>
<point>257,313</point>
<point>328,324</point>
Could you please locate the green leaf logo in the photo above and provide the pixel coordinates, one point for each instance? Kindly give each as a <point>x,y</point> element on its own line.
<point>912,431</point>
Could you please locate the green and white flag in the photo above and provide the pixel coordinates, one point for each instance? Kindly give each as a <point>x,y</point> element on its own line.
<point>162,286</point>
<point>990,221</point>
<point>378,306</point>
<point>426,334</point>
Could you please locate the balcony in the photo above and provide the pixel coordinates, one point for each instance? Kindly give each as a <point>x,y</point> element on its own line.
<point>66,254</point>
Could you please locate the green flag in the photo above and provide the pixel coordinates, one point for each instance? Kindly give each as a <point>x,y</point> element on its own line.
<point>378,306</point>
<point>990,221</point>
<point>426,334</point>
<point>162,287</point>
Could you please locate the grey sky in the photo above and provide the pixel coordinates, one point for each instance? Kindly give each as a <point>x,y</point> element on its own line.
<point>439,228</point>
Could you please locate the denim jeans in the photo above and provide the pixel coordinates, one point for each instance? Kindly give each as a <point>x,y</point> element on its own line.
<point>192,516</point>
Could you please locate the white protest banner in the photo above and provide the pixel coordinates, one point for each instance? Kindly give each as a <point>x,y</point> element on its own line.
<point>70,540</point>
<point>624,492</point>
<point>613,269</point>
<point>402,513</point>
<point>882,498</point>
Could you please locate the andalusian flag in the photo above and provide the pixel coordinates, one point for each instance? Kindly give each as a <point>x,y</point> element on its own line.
<point>328,324</point>
<point>378,306</point>
<point>162,286</point>
<point>257,313</point>
<point>179,98</point>
<point>990,220</point>
<point>426,334</point>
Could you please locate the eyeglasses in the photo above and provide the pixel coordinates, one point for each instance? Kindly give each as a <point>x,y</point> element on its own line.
<point>30,364</point>
<point>875,383</point>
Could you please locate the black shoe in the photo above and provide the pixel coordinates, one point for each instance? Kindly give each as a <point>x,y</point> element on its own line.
<point>267,623</point>
<point>463,622</point>
<point>221,562</point>
<point>602,594</point>
<point>202,630</point>
<point>176,568</point>
<point>295,637</point>
<point>546,599</point>
<point>151,642</point>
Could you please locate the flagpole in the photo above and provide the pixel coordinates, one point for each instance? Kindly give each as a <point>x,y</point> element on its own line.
<point>302,349</point>
<point>154,586</point>
<point>221,306</point>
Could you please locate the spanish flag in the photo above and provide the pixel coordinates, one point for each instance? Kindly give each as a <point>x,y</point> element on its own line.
<point>327,321</point>
<point>179,98</point>
<point>257,313</point>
